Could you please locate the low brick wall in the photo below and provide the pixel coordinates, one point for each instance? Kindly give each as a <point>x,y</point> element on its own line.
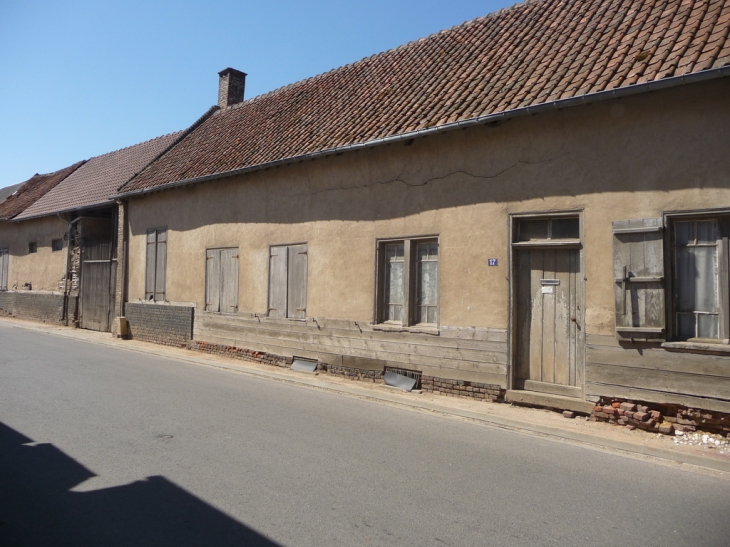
<point>665,419</point>
<point>36,306</point>
<point>375,376</point>
<point>240,353</point>
<point>161,324</point>
<point>462,388</point>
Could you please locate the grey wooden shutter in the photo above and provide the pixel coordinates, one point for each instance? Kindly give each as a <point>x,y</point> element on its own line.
<point>149,284</point>
<point>161,266</point>
<point>277,281</point>
<point>638,270</point>
<point>297,290</point>
<point>4,258</point>
<point>212,280</point>
<point>229,280</point>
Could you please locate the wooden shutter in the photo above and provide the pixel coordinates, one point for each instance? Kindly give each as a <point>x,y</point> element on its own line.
<point>277,281</point>
<point>149,285</point>
<point>161,266</point>
<point>212,280</point>
<point>638,270</point>
<point>229,280</point>
<point>297,283</point>
<point>4,257</point>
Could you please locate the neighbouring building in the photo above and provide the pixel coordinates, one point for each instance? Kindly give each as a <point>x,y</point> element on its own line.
<point>533,206</point>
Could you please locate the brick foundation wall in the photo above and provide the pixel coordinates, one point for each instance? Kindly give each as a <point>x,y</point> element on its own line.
<point>462,388</point>
<point>37,306</point>
<point>161,324</point>
<point>375,376</point>
<point>658,418</point>
<point>240,353</point>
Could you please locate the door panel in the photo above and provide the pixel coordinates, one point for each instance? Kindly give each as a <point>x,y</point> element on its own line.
<point>548,337</point>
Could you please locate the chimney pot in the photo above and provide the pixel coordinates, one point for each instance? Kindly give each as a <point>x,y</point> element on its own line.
<point>231,84</point>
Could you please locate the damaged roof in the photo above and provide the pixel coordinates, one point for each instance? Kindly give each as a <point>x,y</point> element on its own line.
<point>32,190</point>
<point>530,54</point>
<point>98,178</point>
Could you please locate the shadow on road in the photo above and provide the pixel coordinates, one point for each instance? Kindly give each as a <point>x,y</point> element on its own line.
<point>37,508</point>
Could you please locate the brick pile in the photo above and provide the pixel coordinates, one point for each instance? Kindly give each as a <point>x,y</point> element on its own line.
<point>665,419</point>
<point>462,388</point>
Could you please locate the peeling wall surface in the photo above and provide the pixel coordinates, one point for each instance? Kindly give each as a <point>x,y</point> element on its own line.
<point>42,270</point>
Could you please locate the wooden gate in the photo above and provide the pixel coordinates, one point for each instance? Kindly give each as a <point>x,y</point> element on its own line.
<point>98,285</point>
<point>549,352</point>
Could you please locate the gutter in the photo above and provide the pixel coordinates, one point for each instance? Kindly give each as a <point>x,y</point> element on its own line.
<point>666,83</point>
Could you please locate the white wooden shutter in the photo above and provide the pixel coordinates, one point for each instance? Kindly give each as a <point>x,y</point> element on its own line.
<point>229,280</point>
<point>212,280</point>
<point>638,270</point>
<point>161,267</point>
<point>149,285</point>
<point>297,291</point>
<point>277,281</point>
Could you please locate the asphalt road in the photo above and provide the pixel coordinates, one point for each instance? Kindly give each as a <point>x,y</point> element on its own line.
<point>109,447</point>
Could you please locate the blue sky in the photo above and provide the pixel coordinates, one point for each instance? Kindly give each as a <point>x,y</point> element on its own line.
<point>79,78</point>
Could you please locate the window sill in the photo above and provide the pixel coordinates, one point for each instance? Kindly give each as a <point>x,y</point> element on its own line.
<point>720,347</point>
<point>434,331</point>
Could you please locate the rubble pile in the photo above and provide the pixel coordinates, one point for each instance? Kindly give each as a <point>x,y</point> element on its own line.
<point>665,419</point>
<point>707,440</point>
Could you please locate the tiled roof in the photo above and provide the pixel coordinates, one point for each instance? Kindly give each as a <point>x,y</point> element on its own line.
<point>99,178</point>
<point>32,190</point>
<point>9,191</point>
<point>531,53</point>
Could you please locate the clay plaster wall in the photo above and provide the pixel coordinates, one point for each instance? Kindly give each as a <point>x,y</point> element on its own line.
<point>629,158</point>
<point>43,269</point>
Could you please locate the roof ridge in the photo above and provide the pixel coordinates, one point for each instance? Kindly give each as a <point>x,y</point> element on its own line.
<point>51,173</point>
<point>426,38</point>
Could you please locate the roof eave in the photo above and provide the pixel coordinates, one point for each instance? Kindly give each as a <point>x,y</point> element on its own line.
<point>654,85</point>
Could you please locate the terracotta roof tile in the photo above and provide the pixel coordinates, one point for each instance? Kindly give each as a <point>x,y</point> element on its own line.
<point>32,190</point>
<point>100,177</point>
<point>531,53</point>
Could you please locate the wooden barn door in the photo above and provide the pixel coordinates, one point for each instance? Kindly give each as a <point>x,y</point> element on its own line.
<point>549,321</point>
<point>98,284</point>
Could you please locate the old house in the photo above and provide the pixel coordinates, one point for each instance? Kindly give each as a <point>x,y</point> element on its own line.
<point>534,205</point>
<point>45,277</point>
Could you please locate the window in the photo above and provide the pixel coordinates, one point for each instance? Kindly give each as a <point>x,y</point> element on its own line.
<point>32,247</point>
<point>548,229</point>
<point>700,255</point>
<point>4,257</point>
<point>408,282</point>
<point>156,265</point>
<point>288,281</point>
<point>57,245</point>
<point>221,280</point>
<point>698,271</point>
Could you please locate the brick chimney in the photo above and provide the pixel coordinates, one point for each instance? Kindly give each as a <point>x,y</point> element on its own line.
<point>231,84</point>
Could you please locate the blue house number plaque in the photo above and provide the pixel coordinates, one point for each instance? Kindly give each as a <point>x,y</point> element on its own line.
<point>492,261</point>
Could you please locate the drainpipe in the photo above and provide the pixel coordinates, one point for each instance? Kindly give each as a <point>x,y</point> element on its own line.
<point>68,261</point>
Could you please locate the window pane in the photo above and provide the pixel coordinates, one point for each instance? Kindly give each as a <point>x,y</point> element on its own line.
<point>686,325</point>
<point>684,233</point>
<point>707,231</point>
<point>708,325</point>
<point>533,229</point>
<point>565,228</point>
<point>697,279</point>
<point>427,281</point>
<point>393,290</point>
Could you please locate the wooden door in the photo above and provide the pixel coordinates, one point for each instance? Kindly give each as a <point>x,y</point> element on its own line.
<point>98,284</point>
<point>549,321</point>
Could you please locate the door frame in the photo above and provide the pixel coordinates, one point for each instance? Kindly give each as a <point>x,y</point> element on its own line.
<point>512,220</point>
